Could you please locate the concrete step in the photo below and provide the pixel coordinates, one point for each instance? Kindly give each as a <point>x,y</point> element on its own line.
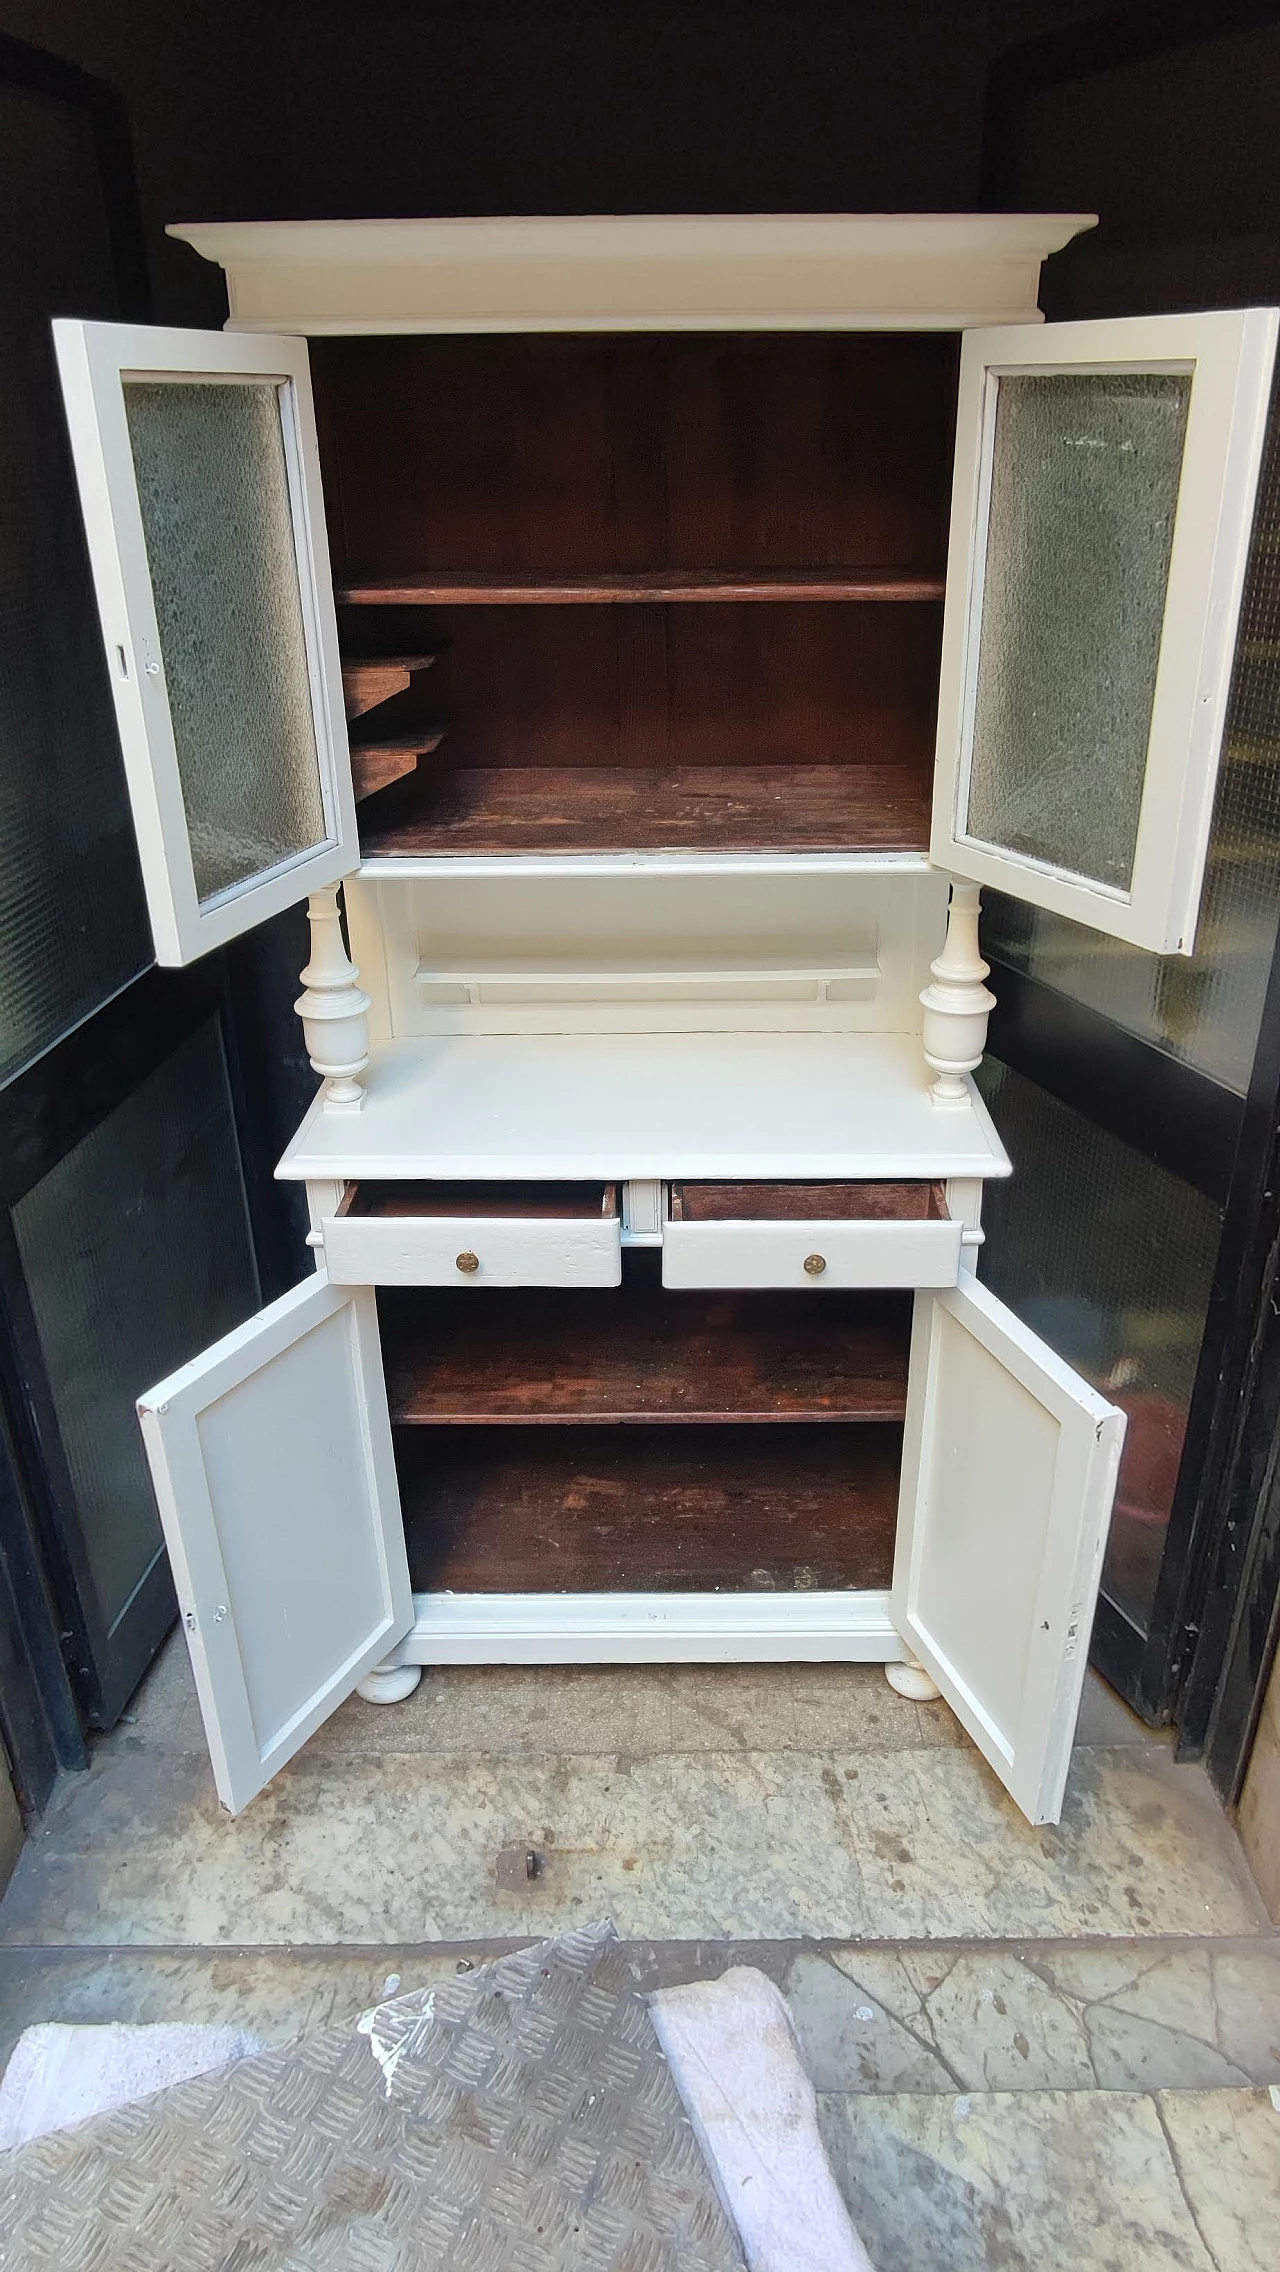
<point>888,2017</point>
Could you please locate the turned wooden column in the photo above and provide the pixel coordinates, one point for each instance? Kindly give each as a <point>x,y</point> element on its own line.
<point>957,1004</point>
<point>334,1011</point>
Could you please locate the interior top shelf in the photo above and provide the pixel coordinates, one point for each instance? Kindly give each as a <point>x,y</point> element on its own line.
<point>442,587</point>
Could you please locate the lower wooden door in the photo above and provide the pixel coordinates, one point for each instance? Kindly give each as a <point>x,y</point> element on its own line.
<point>276,1476</point>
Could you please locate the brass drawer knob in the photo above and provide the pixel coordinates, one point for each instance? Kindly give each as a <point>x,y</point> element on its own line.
<point>470,1263</point>
<point>815,1264</point>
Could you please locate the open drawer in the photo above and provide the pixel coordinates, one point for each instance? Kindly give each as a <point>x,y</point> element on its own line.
<point>475,1234</point>
<point>810,1234</point>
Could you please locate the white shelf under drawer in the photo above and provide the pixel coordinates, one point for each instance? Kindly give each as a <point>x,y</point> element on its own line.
<point>713,1105</point>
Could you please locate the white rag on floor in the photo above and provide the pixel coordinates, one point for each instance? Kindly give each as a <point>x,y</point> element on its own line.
<point>732,2048</point>
<point>59,2076</point>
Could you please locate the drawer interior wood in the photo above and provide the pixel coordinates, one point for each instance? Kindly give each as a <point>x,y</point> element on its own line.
<point>519,1202</point>
<point>808,1202</point>
<point>649,1509</point>
<point>639,1352</point>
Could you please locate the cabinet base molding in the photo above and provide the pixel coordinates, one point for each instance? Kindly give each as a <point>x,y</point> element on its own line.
<point>911,1679</point>
<point>622,1629</point>
<point>390,1682</point>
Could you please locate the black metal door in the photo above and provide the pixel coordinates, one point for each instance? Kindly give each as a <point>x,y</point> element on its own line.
<point>1138,1094</point>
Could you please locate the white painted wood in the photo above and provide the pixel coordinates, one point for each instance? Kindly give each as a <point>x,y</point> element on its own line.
<point>389,1682</point>
<point>634,1629</point>
<point>964,1203</point>
<point>1230,355</point>
<point>738,1107</point>
<point>911,1680</point>
<point>364,1250</point>
<point>333,1009</point>
<point>646,951</point>
<point>644,1208</point>
<point>713,979</point>
<point>647,272</point>
<point>472,866</point>
<point>272,1462</point>
<point>92,361</point>
<point>1008,1474</point>
<point>956,1004</point>
<point>781,1254</point>
<point>323,1199</point>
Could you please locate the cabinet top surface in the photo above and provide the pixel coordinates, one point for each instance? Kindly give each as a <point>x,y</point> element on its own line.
<point>739,1107</point>
<point>785,271</point>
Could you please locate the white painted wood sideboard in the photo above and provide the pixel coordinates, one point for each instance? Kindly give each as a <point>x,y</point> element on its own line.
<point>688,738</point>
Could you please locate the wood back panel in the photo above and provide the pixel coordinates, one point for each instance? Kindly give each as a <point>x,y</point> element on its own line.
<point>601,1510</point>
<point>576,454</point>
<point>642,1352</point>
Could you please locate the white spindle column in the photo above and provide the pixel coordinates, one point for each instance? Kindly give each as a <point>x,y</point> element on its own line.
<point>334,1011</point>
<point>957,1004</point>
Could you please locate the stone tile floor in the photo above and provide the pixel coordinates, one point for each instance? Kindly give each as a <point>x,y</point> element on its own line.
<point>1032,2047</point>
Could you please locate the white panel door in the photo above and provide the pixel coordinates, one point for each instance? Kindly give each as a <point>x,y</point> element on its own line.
<point>272,1462</point>
<point>195,455</point>
<point>1008,1474</point>
<point>1102,508</point>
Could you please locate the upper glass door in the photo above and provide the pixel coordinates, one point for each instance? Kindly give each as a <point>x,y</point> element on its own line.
<point>195,454</point>
<point>1102,506</point>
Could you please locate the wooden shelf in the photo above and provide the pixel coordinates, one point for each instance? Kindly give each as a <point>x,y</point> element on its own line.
<point>639,1353</point>
<point>371,680</point>
<point>602,1510</point>
<point>460,587</point>
<point>608,808</point>
<point>375,764</point>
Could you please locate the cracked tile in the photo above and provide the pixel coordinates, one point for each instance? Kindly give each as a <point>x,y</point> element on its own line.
<point>1045,2016</point>
<point>851,2040</point>
<point>1226,2149</point>
<point>1080,2181</point>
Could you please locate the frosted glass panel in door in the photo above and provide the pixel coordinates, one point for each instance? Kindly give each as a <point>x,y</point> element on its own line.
<point>213,489</point>
<point>1084,489</point>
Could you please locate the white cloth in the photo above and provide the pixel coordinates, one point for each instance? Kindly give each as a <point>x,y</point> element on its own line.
<point>58,2076</point>
<point>732,2048</point>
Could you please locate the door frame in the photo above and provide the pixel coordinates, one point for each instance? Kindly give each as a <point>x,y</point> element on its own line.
<point>1212,1627</point>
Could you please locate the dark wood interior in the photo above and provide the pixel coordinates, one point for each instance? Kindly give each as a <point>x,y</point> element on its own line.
<point>558,1202</point>
<point>808,1202</point>
<point>639,1352</point>
<point>649,1509</point>
<point>502,503</point>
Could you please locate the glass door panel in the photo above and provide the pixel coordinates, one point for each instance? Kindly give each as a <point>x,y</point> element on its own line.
<point>199,482</point>
<point>1084,488</point>
<point>127,1252</point>
<point>1101,516</point>
<point>214,492</point>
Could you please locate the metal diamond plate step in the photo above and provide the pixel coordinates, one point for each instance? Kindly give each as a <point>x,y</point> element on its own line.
<point>522,2115</point>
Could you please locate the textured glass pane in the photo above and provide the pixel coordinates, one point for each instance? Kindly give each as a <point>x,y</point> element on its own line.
<point>1083,494</point>
<point>73,926</point>
<point>215,507</point>
<point>1112,1260</point>
<point>136,1253</point>
<point>1204,1008</point>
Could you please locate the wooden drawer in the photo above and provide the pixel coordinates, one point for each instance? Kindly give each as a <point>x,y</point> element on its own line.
<point>470,1234</point>
<point>810,1234</point>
